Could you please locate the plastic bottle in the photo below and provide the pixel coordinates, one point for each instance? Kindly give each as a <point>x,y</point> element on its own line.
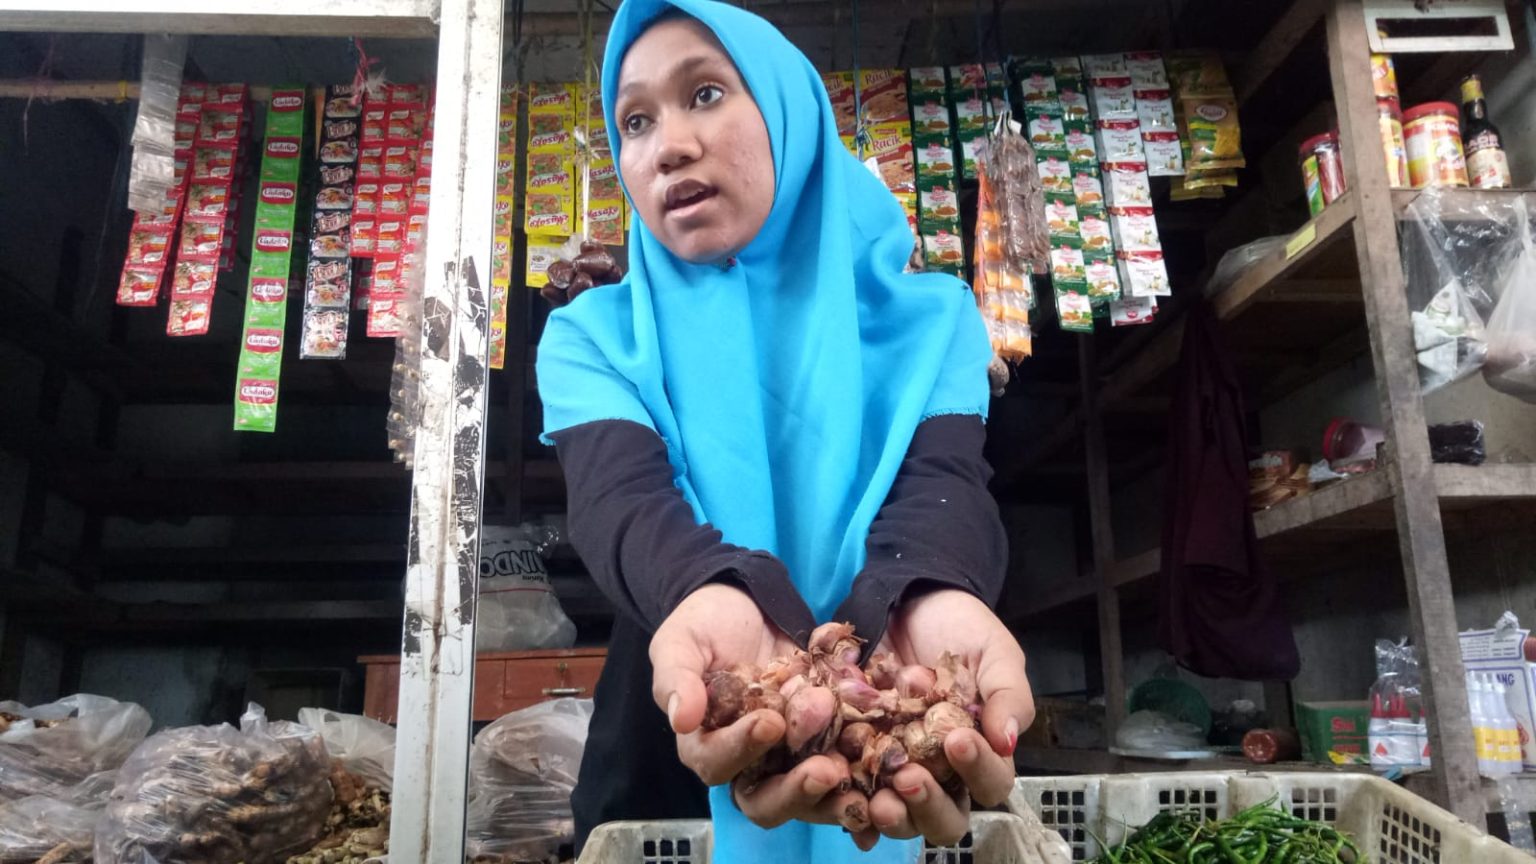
<point>1509,730</point>
<point>1421,739</point>
<point>1482,731</point>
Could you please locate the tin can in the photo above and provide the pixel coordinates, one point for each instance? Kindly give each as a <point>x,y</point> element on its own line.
<point>1383,74</point>
<point>1322,170</point>
<point>1392,145</point>
<point>1432,136</point>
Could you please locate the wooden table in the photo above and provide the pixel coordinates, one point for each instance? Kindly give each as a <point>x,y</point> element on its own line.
<point>504,681</point>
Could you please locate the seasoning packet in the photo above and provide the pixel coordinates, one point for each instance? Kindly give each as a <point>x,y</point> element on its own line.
<point>1073,308</point>
<point>927,82</point>
<point>1130,311</point>
<point>883,96</point>
<point>1143,274</point>
<point>328,272</point>
<point>261,344</point>
<point>502,236</point>
<point>889,147</point>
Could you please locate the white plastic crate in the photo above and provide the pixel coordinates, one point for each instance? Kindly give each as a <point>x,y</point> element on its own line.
<point>1390,824</point>
<point>995,838</point>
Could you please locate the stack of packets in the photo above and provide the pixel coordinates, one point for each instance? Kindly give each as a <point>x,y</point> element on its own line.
<point>390,199</point>
<point>151,241</point>
<point>887,128</point>
<point>1132,125</point>
<point>501,236</point>
<point>266,305</point>
<point>570,170</point>
<point>217,176</point>
<point>977,97</point>
<point>328,273</point>
<point>196,225</point>
<point>1066,156</point>
<point>1205,110</point>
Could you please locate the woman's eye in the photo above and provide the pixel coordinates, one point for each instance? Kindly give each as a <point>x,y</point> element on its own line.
<point>634,124</point>
<point>708,95</point>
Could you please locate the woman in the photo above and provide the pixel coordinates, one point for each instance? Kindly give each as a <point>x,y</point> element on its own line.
<point>766,425</point>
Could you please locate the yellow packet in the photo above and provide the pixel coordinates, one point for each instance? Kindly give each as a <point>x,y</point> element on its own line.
<point>555,99</point>
<point>542,252</point>
<point>605,222</point>
<point>549,214</point>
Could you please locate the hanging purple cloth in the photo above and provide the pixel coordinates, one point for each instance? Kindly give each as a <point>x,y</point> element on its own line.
<point>1220,612</point>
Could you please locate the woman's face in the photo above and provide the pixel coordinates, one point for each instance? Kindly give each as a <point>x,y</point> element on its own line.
<point>695,154</point>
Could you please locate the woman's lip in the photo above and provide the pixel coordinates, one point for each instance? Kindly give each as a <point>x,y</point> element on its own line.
<point>683,211</point>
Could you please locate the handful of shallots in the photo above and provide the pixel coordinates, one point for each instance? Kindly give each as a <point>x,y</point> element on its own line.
<point>880,717</point>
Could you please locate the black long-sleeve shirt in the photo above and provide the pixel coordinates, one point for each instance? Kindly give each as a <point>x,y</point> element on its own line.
<point>938,528</point>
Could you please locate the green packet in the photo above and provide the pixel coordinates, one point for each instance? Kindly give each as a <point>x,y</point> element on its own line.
<point>1073,308</point>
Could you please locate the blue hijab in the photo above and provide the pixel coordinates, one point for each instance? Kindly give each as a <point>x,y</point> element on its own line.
<point>787,387</point>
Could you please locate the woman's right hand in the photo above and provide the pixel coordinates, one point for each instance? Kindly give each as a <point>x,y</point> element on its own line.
<point>715,628</point>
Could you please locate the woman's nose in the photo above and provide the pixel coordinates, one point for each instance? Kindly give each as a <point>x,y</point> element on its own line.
<point>679,143</point>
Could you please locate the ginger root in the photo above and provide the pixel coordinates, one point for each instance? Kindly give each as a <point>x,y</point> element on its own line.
<point>880,716</point>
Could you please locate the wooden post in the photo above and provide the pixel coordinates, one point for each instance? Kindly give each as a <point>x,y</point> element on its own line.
<point>1431,606</point>
<point>1101,528</point>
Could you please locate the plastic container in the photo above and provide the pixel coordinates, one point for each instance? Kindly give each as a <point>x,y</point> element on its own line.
<point>995,838</point>
<point>1390,116</point>
<point>1391,824</point>
<point>1432,134</point>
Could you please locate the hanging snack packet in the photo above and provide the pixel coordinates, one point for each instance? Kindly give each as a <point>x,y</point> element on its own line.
<point>261,345</point>
<point>328,273</point>
<point>502,234</point>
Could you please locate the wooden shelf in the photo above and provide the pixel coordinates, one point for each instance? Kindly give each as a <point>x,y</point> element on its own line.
<point>1355,507</point>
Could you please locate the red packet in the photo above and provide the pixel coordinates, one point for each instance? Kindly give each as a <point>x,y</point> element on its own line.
<point>364,234</point>
<point>189,317</point>
<point>394,198</point>
<point>139,285</point>
<point>385,319</point>
<point>390,239</point>
<point>370,163</point>
<point>200,241</point>
<point>208,201</point>
<point>149,245</point>
<point>387,284</point>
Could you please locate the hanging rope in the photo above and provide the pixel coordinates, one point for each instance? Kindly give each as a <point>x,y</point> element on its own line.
<point>860,134</point>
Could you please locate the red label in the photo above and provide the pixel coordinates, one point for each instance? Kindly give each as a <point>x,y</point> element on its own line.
<point>283,148</point>
<point>257,392</point>
<point>287,101</point>
<point>273,241</point>
<point>269,290</point>
<point>278,193</point>
<point>263,341</point>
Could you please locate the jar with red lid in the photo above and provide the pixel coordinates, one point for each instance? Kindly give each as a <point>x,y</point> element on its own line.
<point>1432,135</point>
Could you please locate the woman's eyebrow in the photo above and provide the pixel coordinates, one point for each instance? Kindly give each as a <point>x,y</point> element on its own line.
<point>685,66</point>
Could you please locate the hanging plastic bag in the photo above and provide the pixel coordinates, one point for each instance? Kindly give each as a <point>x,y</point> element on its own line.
<point>49,749</point>
<point>1454,262</point>
<point>365,746</point>
<point>517,609</point>
<point>218,795</point>
<point>1510,364</point>
<point>522,769</point>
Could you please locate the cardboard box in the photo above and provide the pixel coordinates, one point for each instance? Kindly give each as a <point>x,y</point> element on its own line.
<point>1502,654</point>
<point>1342,727</point>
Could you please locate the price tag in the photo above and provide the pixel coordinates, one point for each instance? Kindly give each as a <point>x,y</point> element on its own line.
<point>1300,241</point>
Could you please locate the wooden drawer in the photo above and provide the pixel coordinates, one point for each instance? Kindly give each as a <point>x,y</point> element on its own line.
<point>504,681</point>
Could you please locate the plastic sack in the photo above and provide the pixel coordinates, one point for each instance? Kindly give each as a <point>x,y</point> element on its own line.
<point>1156,731</point>
<point>1455,256</point>
<point>522,769</point>
<point>49,749</point>
<point>36,826</point>
<point>517,608</point>
<point>1510,364</point>
<point>365,746</point>
<point>1239,260</point>
<point>218,795</point>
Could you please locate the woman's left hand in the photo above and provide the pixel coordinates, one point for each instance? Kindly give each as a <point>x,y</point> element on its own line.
<point>920,631</point>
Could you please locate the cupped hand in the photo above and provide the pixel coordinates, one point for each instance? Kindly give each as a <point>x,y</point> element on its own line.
<point>716,627</point>
<point>920,631</point>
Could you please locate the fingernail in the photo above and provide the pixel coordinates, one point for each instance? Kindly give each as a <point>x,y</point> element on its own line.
<point>672,709</point>
<point>1012,730</point>
<point>916,794</point>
